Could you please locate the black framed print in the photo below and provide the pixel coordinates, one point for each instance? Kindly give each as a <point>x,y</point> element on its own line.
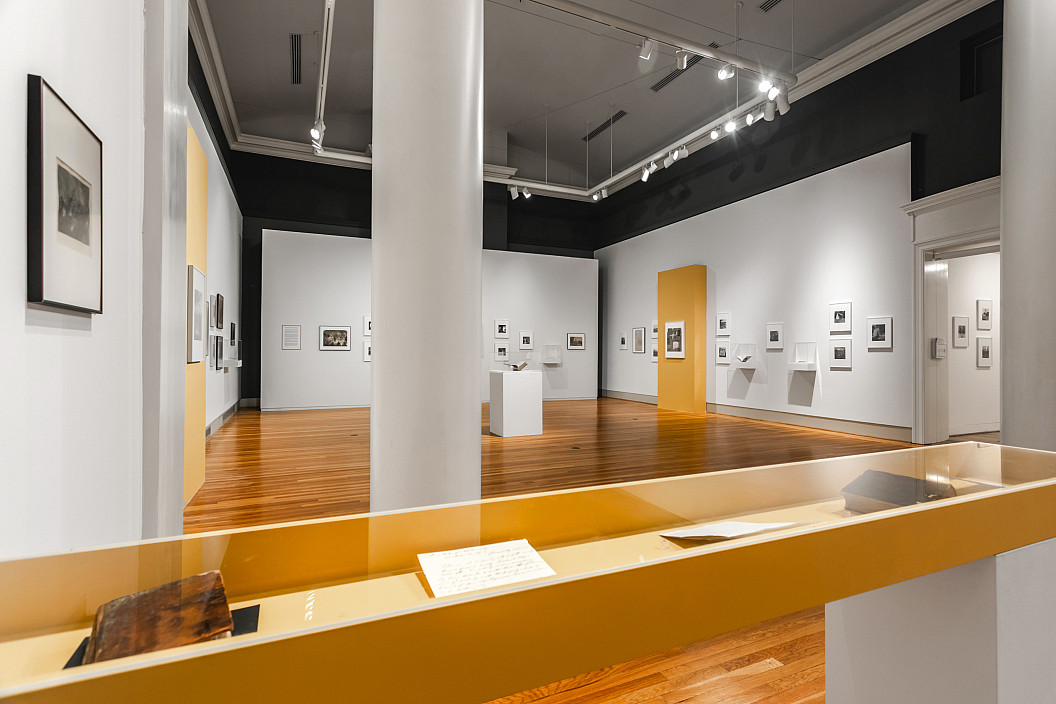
<point>64,209</point>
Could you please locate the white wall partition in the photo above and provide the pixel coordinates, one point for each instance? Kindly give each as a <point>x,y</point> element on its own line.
<point>974,392</point>
<point>784,256</point>
<point>71,417</point>
<point>311,280</point>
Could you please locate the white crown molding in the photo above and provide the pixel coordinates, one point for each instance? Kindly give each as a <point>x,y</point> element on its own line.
<point>963,194</point>
<point>201,28</point>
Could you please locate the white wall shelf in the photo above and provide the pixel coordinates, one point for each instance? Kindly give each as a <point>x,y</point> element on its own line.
<point>804,357</point>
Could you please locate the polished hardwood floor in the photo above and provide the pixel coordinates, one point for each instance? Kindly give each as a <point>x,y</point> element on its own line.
<point>293,465</point>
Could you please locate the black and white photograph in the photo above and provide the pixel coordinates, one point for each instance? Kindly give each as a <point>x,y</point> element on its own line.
<point>366,350</point>
<point>64,194</point>
<point>655,353</point>
<point>638,340</point>
<point>218,351</point>
<point>367,328</point>
<point>722,324</point>
<point>576,341</point>
<point>525,340</point>
<point>233,336</point>
<point>502,329</point>
<point>960,331</point>
<point>623,341</point>
<point>984,352</point>
<point>722,352</point>
<point>335,338</point>
<point>775,336</point>
<point>840,354</point>
<point>212,311</point>
<point>219,312</point>
<point>655,330</point>
<point>880,333</point>
<point>675,340</point>
<point>839,317</point>
<point>984,313</point>
<point>197,316</point>
<point>291,337</point>
<point>502,351</point>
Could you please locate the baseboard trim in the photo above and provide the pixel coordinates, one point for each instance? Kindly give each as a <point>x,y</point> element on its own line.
<point>853,427</point>
<point>219,422</point>
<point>249,403</point>
<point>628,396</point>
<point>310,408</point>
<point>975,428</point>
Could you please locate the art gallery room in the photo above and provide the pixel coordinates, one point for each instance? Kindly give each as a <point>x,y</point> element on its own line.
<point>508,351</point>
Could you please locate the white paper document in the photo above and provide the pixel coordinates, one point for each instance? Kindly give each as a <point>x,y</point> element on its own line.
<point>468,569</point>
<point>723,530</point>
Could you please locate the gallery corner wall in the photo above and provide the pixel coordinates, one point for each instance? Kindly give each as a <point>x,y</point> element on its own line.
<point>194,389</point>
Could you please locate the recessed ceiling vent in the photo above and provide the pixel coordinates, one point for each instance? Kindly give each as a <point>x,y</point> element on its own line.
<point>767,5</point>
<point>605,125</point>
<point>678,71</point>
<point>295,59</point>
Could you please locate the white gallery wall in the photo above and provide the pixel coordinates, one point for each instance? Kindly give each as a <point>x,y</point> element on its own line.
<point>224,269</point>
<point>71,418</point>
<point>784,256</point>
<point>974,392</point>
<point>312,280</point>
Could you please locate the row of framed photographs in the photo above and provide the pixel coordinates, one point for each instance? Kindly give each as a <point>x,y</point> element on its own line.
<point>332,338</point>
<point>839,323</point>
<point>636,340</point>
<point>526,339</point>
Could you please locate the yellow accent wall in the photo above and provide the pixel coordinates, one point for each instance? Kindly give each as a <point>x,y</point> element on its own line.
<point>194,386</point>
<point>682,294</point>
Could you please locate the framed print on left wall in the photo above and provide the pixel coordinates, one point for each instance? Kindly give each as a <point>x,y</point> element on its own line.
<point>64,189</point>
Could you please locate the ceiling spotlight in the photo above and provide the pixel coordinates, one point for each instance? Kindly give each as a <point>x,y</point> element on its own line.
<point>726,71</point>
<point>668,160</point>
<point>715,134</point>
<point>646,49</point>
<point>768,110</point>
<point>749,119</point>
<point>652,167</point>
<point>514,193</point>
<point>675,155</point>
<point>316,133</point>
<point>765,85</point>
<point>772,92</point>
<point>682,59</point>
<point>525,193</point>
<point>683,152</point>
<point>645,174</point>
<point>730,126</point>
<point>595,196</point>
<point>782,103</point>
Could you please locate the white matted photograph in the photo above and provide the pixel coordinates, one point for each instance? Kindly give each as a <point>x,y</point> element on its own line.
<point>526,340</point>
<point>502,328</point>
<point>722,352</point>
<point>722,324</point>
<point>960,331</point>
<point>655,329</point>
<point>655,353</point>
<point>366,350</point>
<point>335,338</point>
<point>984,352</point>
<point>502,351</point>
<point>984,314</point>
<point>197,315</point>
<point>775,336</point>
<point>291,337</point>
<point>638,340</point>
<point>840,353</point>
<point>623,341</point>
<point>366,326</point>
<point>675,340</point>
<point>879,330</point>
<point>840,317</point>
<point>576,341</point>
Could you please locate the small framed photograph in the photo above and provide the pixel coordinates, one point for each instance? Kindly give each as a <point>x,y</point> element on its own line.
<point>984,314</point>
<point>960,331</point>
<point>984,352</point>
<point>775,336</point>
<point>656,330</point>
<point>197,315</point>
<point>291,337</point>
<point>526,340</point>
<point>840,353</point>
<point>654,351</point>
<point>879,333</point>
<point>334,338</point>
<point>366,349</point>
<point>218,354</point>
<point>675,340</point>
<point>502,351</point>
<point>722,352</point>
<point>233,336</point>
<point>502,329</point>
<point>212,311</point>
<point>840,317</point>
<point>367,329</point>
<point>623,341</point>
<point>722,325</point>
<point>219,312</point>
<point>64,196</point>
<point>638,340</point>
<point>576,341</point>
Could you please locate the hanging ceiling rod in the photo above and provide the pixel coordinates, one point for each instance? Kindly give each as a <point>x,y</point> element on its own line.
<point>326,41</point>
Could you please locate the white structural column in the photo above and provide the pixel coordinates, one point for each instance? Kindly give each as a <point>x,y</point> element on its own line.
<point>427,215</point>
<point>1028,226</point>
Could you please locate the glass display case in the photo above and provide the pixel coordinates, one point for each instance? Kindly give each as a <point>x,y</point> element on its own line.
<point>344,607</point>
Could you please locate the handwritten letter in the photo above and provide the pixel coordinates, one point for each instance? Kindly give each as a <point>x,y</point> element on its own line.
<point>469,569</point>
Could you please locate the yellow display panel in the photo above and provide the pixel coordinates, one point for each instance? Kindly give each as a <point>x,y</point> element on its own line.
<point>194,384</point>
<point>682,295</point>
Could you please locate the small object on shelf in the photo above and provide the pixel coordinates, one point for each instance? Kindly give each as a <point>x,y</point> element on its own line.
<point>874,490</point>
<point>746,355</point>
<point>517,366</point>
<point>191,610</point>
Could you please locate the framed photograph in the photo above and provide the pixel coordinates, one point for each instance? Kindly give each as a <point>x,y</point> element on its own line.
<point>366,350</point>
<point>722,352</point>
<point>623,341</point>
<point>212,311</point>
<point>879,333</point>
<point>366,326</point>
<point>984,314</point>
<point>197,315</point>
<point>722,325</point>
<point>654,351</point>
<point>335,338</point>
<point>64,198</point>
<point>502,329</point>
<point>502,351</point>
<point>291,337</point>
<point>218,355</point>
<point>219,312</point>
<point>576,341</point>
<point>638,340</point>
<point>656,329</point>
<point>960,331</point>
<point>775,336</point>
<point>840,353</point>
<point>840,317</point>
<point>233,336</point>
<point>984,352</point>
<point>675,340</point>
<point>526,340</point>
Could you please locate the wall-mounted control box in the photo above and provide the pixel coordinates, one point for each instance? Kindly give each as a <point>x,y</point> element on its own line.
<point>938,348</point>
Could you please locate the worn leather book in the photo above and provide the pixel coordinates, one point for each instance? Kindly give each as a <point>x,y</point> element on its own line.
<point>873,490</point>
<point>187,611</point>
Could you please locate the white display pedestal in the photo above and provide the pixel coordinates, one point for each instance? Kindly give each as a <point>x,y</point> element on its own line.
<point>516,403</point>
